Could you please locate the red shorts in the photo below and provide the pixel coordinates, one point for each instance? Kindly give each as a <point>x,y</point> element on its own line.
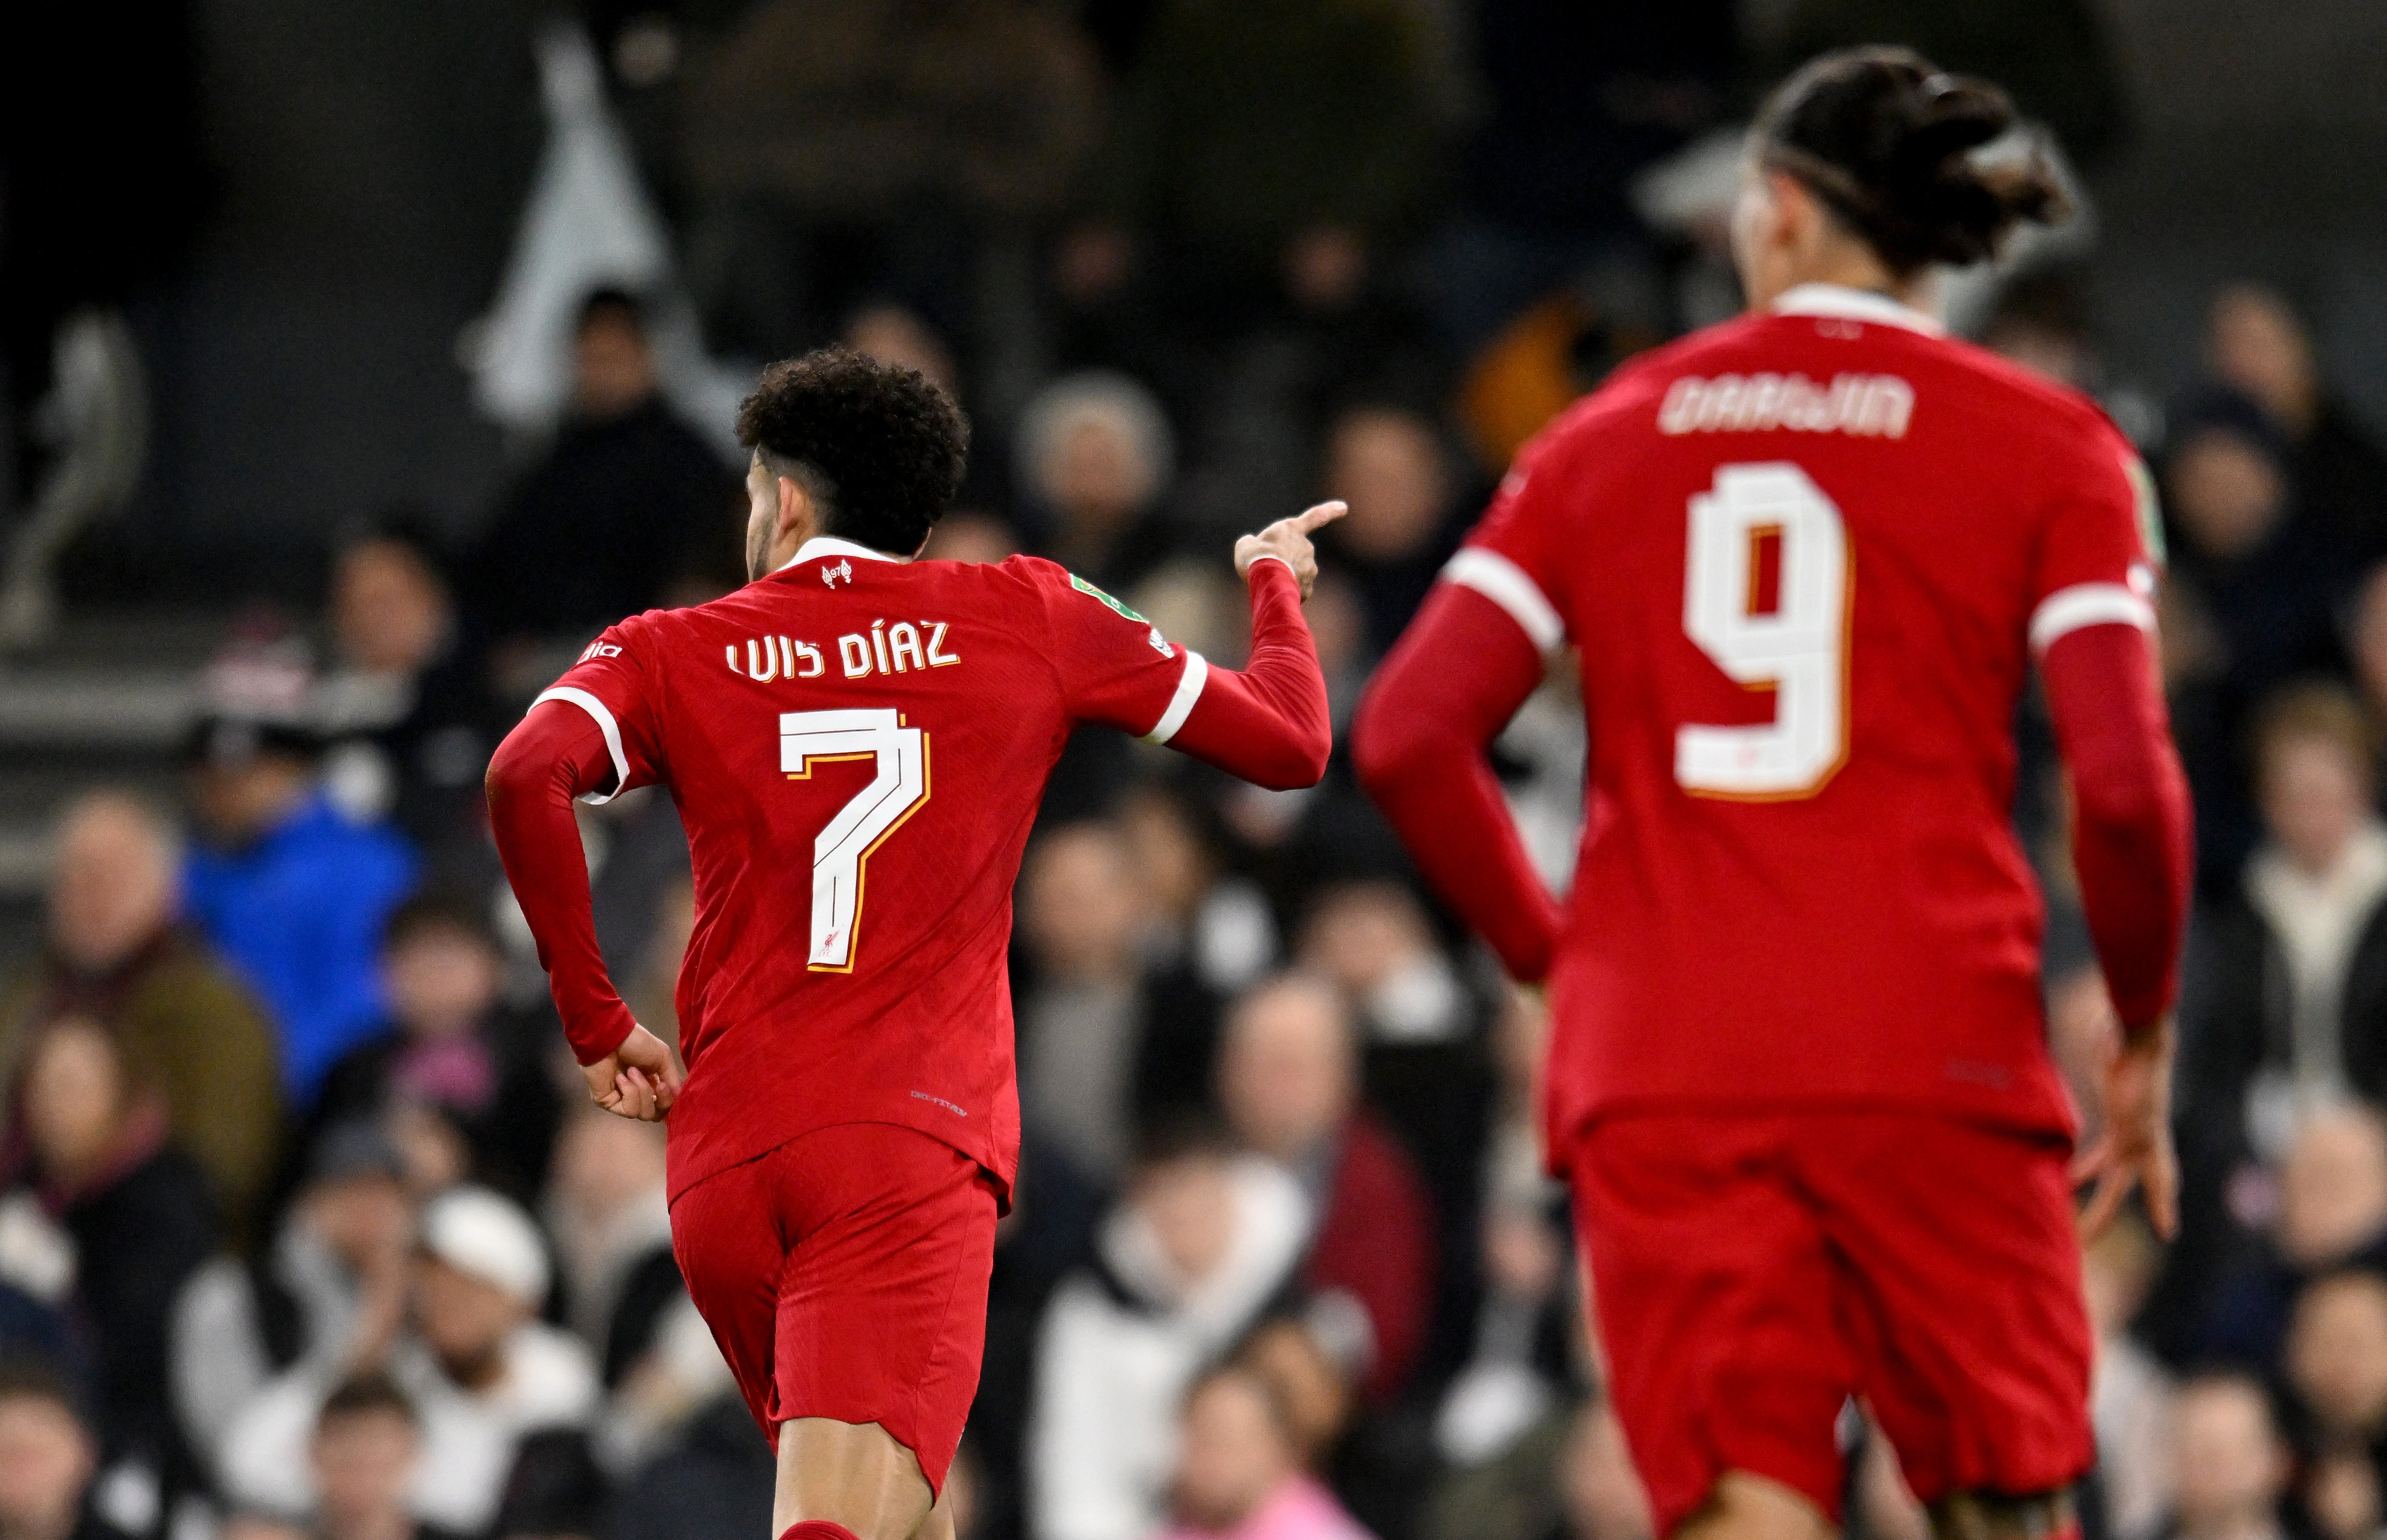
<point>844,1275</point>
<point>1753,1272</point>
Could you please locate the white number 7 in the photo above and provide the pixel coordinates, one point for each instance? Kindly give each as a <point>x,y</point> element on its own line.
<point>1797,647</point>
<point>894,794</point>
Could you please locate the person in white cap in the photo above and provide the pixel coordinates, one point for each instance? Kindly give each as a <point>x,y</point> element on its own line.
<point>477,1363</point>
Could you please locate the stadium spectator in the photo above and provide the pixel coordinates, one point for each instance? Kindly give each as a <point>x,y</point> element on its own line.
<point>322,1298</point>
<point>47,1459</point>
<point>138,1217</point>
<point>364,1457</point>
<point>2130,1391</point>
<point>2336,1358</point>
<point>445,1051</point>
<point>626,503</point>
<point>1312,1385</point>
<point>2250,604</point>
<point>1371,940</point>
<point>1081,1020</point>
<point>1095,458</point>
<point>1185,1264</point>
<point>114,953</point>
<point>605,1209</point>
<point>712,1482</point>
<point>2332,1212</point>
<point>405,702</point>
<point>2230,1466</point>
<point>2289,1005</point>
<point>291,893</point>
<point>1289,1080</point>
<point>1239,1476</point>
<point>555,1490</point>
<point>2256,343</point>
<point>1390,465</point>
<point>481,1368</point>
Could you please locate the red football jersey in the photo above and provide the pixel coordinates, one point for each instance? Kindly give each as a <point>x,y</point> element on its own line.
<point>1805,557</point>
<point>857,746</point>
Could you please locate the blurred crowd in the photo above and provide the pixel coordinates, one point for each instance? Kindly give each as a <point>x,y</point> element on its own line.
<point>309,1231</point>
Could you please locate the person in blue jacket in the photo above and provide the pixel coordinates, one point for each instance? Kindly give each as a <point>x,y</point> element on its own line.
<point>290,891</point>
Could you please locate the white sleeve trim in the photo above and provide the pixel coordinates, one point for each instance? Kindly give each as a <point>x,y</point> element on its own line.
<point>1505,583</point>
<point>2083,604</point>
<point>1271,556</point>
<point>606,725</point>
<point>1180,705</point>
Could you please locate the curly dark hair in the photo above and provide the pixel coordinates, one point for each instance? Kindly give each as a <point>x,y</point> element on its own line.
<point>1885,138</point>
<point>886,441</point>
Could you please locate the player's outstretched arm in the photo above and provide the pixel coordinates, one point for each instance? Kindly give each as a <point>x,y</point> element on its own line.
<point>1419,743</point>
<point>1268,723</point>
<point>554,754</point>
<point>2131,846</point>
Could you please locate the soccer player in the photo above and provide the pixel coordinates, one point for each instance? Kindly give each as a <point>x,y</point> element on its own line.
<point>856,741</point>
<point>1798,1082</point>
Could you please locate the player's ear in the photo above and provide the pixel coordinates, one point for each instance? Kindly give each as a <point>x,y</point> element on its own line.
<point>797,515</point>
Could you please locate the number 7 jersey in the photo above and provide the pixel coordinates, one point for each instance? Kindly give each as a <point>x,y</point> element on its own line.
<point>1805,558</point>
<point>857,746</point>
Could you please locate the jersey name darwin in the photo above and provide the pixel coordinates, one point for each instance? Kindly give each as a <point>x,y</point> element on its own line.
<point>884,648</point>
<point>1866,406</point>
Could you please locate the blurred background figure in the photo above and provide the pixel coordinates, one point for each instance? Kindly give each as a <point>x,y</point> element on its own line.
<point>1289,1080</point>
<point>366,1449</point>
<point>2257,343</point>
<point>482,1370</point>
<point>2230,1467</point>
<point>1237,1474</point>
<point>405,702</point>
<point>1203,1239</point>
<point>627,504</point>
<point>116,954</point>
<point>47,1459</point>
<point>290,891</point>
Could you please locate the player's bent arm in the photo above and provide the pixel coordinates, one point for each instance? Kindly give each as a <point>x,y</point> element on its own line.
<point>1419,743</point>
<point>2132,825</point>
<point>1268,723</point>
<point>555,753</point>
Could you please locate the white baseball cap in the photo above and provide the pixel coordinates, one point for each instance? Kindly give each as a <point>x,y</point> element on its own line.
<point>488,1237</point>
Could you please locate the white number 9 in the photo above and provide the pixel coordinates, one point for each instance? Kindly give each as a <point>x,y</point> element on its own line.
<point>1797,647</point>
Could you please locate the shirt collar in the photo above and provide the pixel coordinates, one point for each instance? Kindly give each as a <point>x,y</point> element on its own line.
<point>830,544</point>
<point>1839,299</point>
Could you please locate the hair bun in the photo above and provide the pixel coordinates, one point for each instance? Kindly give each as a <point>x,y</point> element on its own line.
<point>1885,139</point>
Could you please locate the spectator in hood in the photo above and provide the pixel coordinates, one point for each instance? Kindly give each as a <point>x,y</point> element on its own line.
<point>291,891</point>
<point>627,501</point>
<point>113,952</point>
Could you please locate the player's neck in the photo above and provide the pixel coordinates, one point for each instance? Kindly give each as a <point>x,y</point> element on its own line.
<point>1860,271</point>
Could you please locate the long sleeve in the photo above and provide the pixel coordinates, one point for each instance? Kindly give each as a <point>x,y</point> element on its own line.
<point>1420,744</point>
<point>554,754</point>
<point>2131,840</point>
<point>1268,723</point>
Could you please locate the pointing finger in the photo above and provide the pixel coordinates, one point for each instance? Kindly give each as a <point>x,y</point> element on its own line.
<point>1319,517</point>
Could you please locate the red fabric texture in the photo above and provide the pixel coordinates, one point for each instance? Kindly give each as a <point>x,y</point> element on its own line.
<point>555,754</point>
<point>958,684</point>
<point>1441,697</point>
<point>2132,842</point>
<point>1751,1273</point>
<point>818,1529</point>
<point>1799,881</point>
<point>844,1276</point>
<point>1268,723</point>
<point>1375,1242</point>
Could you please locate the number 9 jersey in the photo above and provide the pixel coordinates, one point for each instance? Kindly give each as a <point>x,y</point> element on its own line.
<point>1805,558</point>
<point>857,746</point>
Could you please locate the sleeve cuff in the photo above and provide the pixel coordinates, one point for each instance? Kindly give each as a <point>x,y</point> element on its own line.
<point>613,731</point>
